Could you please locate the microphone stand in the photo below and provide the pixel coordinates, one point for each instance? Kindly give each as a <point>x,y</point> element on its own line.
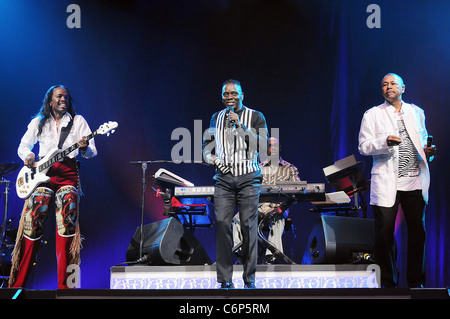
<point>5,216</point>
<point>144,169</point>
<point>144,186</point>
<point>144,165</point>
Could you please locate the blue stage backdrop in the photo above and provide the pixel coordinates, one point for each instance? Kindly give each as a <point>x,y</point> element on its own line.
<point>312,67</point>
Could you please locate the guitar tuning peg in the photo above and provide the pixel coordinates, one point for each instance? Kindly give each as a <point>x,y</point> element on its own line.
<point>113,131</point>
<point>107,134</point>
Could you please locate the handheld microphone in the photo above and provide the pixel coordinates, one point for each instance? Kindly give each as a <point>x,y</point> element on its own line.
<point>228,122</point>
<point>429,140</point>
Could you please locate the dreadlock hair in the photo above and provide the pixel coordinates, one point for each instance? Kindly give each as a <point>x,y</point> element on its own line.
<point>46,109</point>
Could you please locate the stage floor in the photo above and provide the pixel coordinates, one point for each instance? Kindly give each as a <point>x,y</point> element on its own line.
<point>267,277</point>
<point>222,294</point>
<point>277,284</point>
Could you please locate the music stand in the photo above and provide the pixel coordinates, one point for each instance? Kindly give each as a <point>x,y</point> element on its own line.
<point>191,212</point>
<point>346,175</point>
<point>168,180</point>
<point>167,177</point>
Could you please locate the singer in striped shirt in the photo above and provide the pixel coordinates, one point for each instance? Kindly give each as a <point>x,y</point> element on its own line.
<point>236,136</point>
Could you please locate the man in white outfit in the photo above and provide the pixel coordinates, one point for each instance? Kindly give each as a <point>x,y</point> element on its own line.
<point>394,134</point>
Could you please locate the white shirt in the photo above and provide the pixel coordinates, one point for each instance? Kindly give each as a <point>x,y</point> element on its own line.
<point>377,124</point>
<point>49,138</point>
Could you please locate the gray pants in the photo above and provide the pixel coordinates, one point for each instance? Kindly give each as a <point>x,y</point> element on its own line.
<point>231,191</point>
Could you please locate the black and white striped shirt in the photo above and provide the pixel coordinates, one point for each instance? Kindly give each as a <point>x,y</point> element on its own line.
<point>408,164</point>
<point>409,177</point>
<point>237,150</point>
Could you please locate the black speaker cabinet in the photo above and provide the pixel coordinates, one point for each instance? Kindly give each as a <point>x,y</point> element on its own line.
<point>167,242</point>
<point>336,240</point>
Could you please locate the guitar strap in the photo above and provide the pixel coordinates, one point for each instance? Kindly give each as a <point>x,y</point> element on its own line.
<point>64,132</point>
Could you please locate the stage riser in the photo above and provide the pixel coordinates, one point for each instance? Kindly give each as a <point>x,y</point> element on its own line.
<point>269,277</point>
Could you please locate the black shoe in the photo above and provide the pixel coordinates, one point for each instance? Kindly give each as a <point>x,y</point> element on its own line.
<point>227,285</point>
<point>250,285</point>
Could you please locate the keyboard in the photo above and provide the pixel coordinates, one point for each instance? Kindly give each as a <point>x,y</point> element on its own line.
<point>302,191</point>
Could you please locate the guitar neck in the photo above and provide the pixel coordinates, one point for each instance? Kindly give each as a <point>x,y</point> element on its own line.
<point>58,157</point>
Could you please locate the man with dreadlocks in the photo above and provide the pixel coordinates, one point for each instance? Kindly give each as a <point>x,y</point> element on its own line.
<point>56,125</point>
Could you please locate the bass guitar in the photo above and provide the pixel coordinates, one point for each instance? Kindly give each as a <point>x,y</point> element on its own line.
<point>30,178</point>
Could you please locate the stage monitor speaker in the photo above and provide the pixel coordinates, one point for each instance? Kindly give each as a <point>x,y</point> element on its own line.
<point>167,242</point>
<point>338,240</point>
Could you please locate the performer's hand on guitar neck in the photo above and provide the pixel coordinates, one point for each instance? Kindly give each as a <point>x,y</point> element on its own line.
<point>83,143</point>
<point>29,160</point>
